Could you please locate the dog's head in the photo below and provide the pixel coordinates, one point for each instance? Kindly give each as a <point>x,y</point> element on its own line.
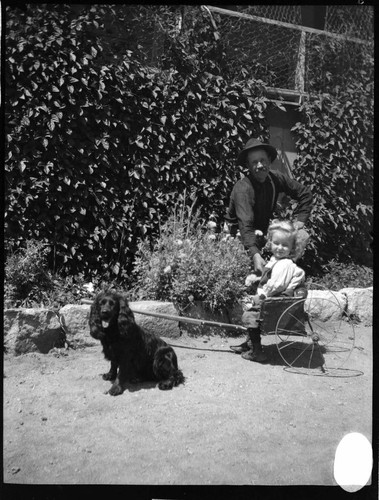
<point>110,314</point>
<point>108,308</point>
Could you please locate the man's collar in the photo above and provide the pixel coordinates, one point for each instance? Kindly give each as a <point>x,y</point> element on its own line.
<point>256,183</point>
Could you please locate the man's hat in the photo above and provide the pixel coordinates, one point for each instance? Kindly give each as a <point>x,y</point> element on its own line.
<point>255,144</point>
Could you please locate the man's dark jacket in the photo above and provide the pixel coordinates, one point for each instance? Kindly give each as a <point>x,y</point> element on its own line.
<point>252,204</point>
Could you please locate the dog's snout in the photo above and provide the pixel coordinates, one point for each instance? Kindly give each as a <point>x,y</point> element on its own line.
<point>106,307</point>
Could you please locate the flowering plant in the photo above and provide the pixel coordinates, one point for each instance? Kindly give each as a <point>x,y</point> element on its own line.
<point>192,262</point>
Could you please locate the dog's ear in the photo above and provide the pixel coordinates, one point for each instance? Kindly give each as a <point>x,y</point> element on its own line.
<point>125,315</point>
<point>95,326</point>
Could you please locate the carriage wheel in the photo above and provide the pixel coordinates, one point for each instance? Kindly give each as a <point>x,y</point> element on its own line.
<point>314,337</point>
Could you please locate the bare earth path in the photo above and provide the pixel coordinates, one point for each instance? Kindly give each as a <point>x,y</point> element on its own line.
<point>234,422</point>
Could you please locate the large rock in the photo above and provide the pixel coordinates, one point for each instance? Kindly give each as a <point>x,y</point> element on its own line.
<point>198,311</point>
<point>159,326</point>
<point>74,320</point>
<point>325,305</point>
<point>31,330</point>
<point>359,303</point>
<point>28,330</point>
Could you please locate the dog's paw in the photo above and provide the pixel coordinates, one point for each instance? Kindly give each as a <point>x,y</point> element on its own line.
<point>115,390</point>
<point>165,385</point>
<point>109,376</point>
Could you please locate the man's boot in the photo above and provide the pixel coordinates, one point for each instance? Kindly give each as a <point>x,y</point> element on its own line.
<point>256,352</point>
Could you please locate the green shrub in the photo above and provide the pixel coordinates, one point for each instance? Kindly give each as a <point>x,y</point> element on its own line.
<point>336,275</point>
<point>72,289</point>
<point>29,283</point>
<point>26,273</point>
<point>190,262</point>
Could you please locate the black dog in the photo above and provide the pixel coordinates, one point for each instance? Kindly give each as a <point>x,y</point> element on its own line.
<point>135,355</point>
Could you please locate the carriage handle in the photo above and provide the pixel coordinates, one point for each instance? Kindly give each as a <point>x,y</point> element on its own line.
<point>184,319</point>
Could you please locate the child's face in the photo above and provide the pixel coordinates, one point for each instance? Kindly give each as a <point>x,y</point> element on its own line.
<point>281,244</point>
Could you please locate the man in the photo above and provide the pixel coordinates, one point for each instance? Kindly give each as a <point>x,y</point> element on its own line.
<point>252,203</point>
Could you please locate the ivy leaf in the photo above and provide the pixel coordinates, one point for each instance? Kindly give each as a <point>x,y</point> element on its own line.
<point>25,121</point>
<point>47,167</point>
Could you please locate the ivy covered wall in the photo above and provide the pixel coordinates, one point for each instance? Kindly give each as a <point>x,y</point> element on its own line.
<point>98,151</point>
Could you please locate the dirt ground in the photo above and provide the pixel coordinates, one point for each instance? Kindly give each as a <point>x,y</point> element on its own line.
<point>234,422</point>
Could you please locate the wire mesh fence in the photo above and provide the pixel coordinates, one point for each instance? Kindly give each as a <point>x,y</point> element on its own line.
<point>271,38</point>
<point>271,51</point>
<point>269,41</point>
<point>350,20</point>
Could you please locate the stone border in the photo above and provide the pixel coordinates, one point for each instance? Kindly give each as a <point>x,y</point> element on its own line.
<point>41,330</point>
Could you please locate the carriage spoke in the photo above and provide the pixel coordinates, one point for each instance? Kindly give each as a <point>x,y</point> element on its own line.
<point>325,346</point>
<point>298,357</point>
<point>288,345</point>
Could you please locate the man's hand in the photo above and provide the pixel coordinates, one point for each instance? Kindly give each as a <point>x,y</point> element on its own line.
<point>298,225</point>
<point>259,263</point>
<point>251,279</point>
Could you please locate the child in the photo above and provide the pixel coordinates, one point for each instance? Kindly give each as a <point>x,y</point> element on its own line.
<point>281,276</point>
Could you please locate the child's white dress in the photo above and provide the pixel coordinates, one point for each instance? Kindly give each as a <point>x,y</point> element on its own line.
<point>280,275</point>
